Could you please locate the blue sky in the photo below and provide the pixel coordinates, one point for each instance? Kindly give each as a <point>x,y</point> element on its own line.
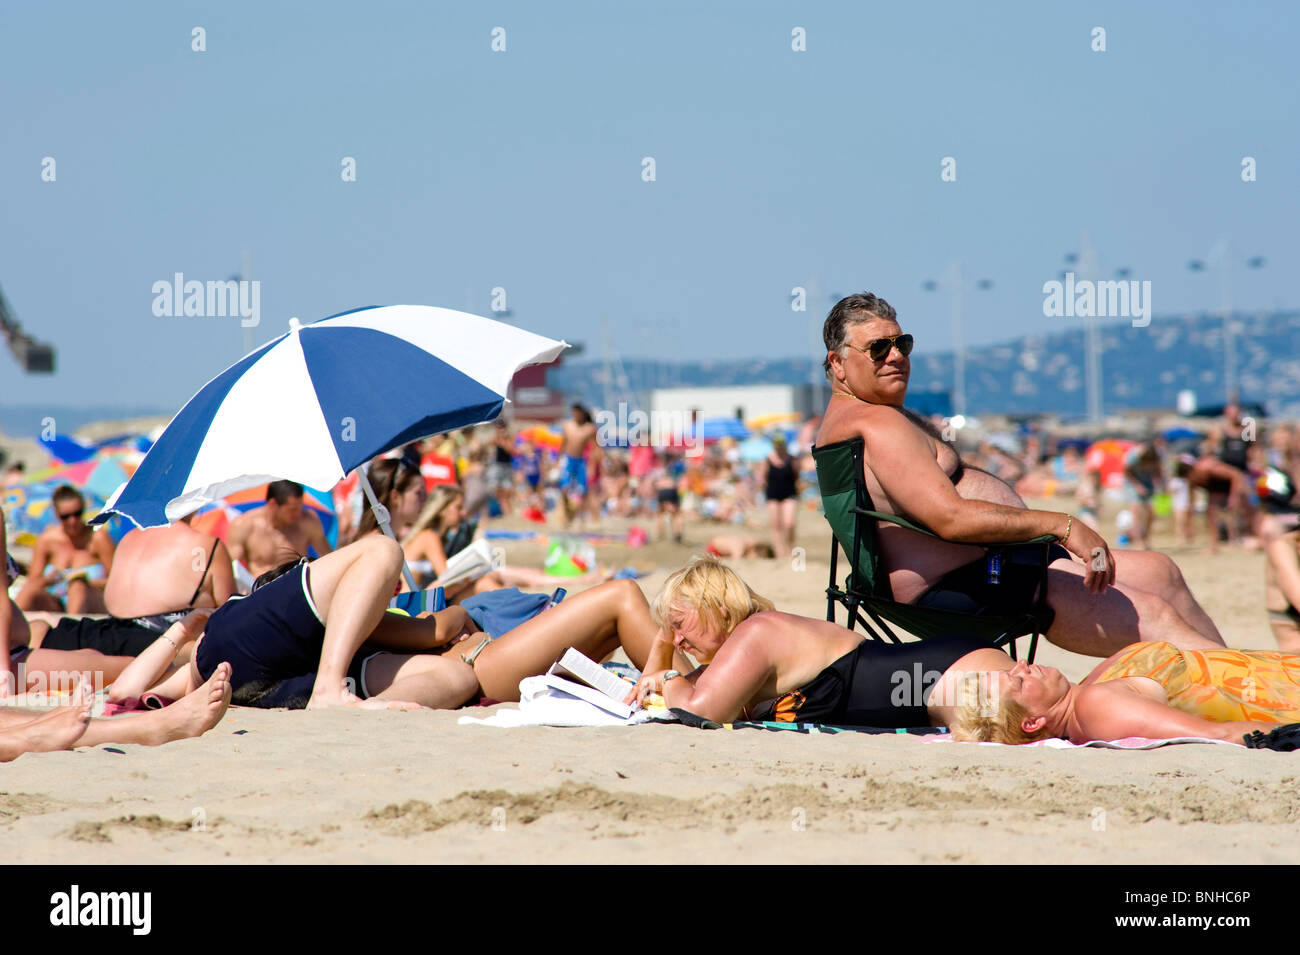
<point>523,169</point>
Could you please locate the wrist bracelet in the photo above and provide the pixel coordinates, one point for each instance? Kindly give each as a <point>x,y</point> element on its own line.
<point>1069,526</point>
<point>171,641</point>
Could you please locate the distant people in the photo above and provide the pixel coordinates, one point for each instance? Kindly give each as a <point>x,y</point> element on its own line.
<point>1282,590</point>
<point>440,531</point>
<point>501,470</point>
<point>15,475</point>
<point>159,575</point>
<point>1222,471</point>
<point>668,498</point>
<point>578,433</point>
<point>164,572</point>
<point>13,625</point>
<point>268,536</point>
<point>1143,476</point>
<point>70,562</point>
<point>781,488</point>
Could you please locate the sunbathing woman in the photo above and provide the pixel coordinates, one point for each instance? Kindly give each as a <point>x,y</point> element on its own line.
<point>1282,590</point>
<point>768,664</point>
<point>1153,690</point>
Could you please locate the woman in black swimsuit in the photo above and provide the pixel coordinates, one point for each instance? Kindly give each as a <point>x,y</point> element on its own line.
<point>756,662</point>
<point>781,488</point>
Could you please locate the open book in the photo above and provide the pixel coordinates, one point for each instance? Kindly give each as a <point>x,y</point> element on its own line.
<point>582,677</point>
<point>469,564</point>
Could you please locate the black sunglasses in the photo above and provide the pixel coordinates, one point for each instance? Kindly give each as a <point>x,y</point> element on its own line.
<point>879,349</point>
<point>71,514</point>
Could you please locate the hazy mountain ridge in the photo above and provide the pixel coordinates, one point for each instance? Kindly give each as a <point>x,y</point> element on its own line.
<point>1141,368</point>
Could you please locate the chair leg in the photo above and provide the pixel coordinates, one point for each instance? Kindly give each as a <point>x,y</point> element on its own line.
<point>887,635</point>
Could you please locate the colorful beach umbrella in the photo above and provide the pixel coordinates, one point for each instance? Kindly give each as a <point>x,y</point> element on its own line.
<point>755,448</point>
<point>715,429</point>
<point>324,398</point>
<point>540,436</point>
<point>1107,458</point>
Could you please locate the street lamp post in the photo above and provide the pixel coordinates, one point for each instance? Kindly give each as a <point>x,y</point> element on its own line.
<point>1088,262</point>
<point>1219,257</point>
<point>952,280</point>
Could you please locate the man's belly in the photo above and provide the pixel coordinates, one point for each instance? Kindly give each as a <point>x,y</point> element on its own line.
<point>916,562</point>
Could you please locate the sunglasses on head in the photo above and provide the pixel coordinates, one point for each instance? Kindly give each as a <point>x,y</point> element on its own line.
<point>879,349</point>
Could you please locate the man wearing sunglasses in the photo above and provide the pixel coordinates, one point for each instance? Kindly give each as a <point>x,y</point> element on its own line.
<point>70,562</point>
<point>1102,601</point>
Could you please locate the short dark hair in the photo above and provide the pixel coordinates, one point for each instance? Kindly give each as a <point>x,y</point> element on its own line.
<point>283,491</point>
<point>66,492</point>
<point>852,310</point>
<point>586,415</point>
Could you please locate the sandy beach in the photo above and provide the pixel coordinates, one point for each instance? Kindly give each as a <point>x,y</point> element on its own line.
<point>325,787</point>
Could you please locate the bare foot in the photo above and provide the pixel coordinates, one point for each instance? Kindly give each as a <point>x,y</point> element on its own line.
<point>59,729</point>
<point>195,713</point>
<point>319,701</point>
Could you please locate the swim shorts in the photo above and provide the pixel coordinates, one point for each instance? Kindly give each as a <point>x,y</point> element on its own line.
<point>574,478</point>
<point>1000,582</point>
<point>272,640</point>
<point>110,636</point>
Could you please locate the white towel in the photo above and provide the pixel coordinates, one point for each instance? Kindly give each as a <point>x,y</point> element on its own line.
<point>543,705</point>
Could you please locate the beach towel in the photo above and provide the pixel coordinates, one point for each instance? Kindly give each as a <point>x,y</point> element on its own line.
<point>500,611</point>
<point>1128,742</point>
<point>543,705</point>
<point>243,577</point>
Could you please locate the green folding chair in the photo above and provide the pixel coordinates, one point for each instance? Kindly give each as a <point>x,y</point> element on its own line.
<point>855,525</point>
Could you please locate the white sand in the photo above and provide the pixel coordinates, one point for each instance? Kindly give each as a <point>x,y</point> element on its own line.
<point>416,787</point>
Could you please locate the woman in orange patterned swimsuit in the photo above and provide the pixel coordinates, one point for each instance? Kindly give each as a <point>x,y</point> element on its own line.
<point>1152,690</point>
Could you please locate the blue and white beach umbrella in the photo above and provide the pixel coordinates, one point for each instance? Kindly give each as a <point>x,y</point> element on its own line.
<point>319,401</point>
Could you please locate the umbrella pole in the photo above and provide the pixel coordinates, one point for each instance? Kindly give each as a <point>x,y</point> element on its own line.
<point>381,515</point>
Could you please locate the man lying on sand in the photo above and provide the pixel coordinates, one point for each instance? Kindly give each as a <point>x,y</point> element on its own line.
<point>1102,604</point>
<point>66,727</point>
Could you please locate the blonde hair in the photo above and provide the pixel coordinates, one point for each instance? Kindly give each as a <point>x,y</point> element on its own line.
<point>714,591</point>
<point>986,716</point>
<point>443,496</point>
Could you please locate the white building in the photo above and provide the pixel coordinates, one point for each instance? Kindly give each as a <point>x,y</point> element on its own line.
<point>745,402</point>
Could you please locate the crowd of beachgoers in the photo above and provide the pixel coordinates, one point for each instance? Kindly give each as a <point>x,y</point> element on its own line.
<point>288,602</point>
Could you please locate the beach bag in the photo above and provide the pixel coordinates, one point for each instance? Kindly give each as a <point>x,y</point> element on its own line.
<point>500,611</point>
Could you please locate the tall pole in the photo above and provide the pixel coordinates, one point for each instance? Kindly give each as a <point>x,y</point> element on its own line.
<point>817,375</point>
<point>958,342</point>
<point>1229,339</point>
<point>1092,343</point>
